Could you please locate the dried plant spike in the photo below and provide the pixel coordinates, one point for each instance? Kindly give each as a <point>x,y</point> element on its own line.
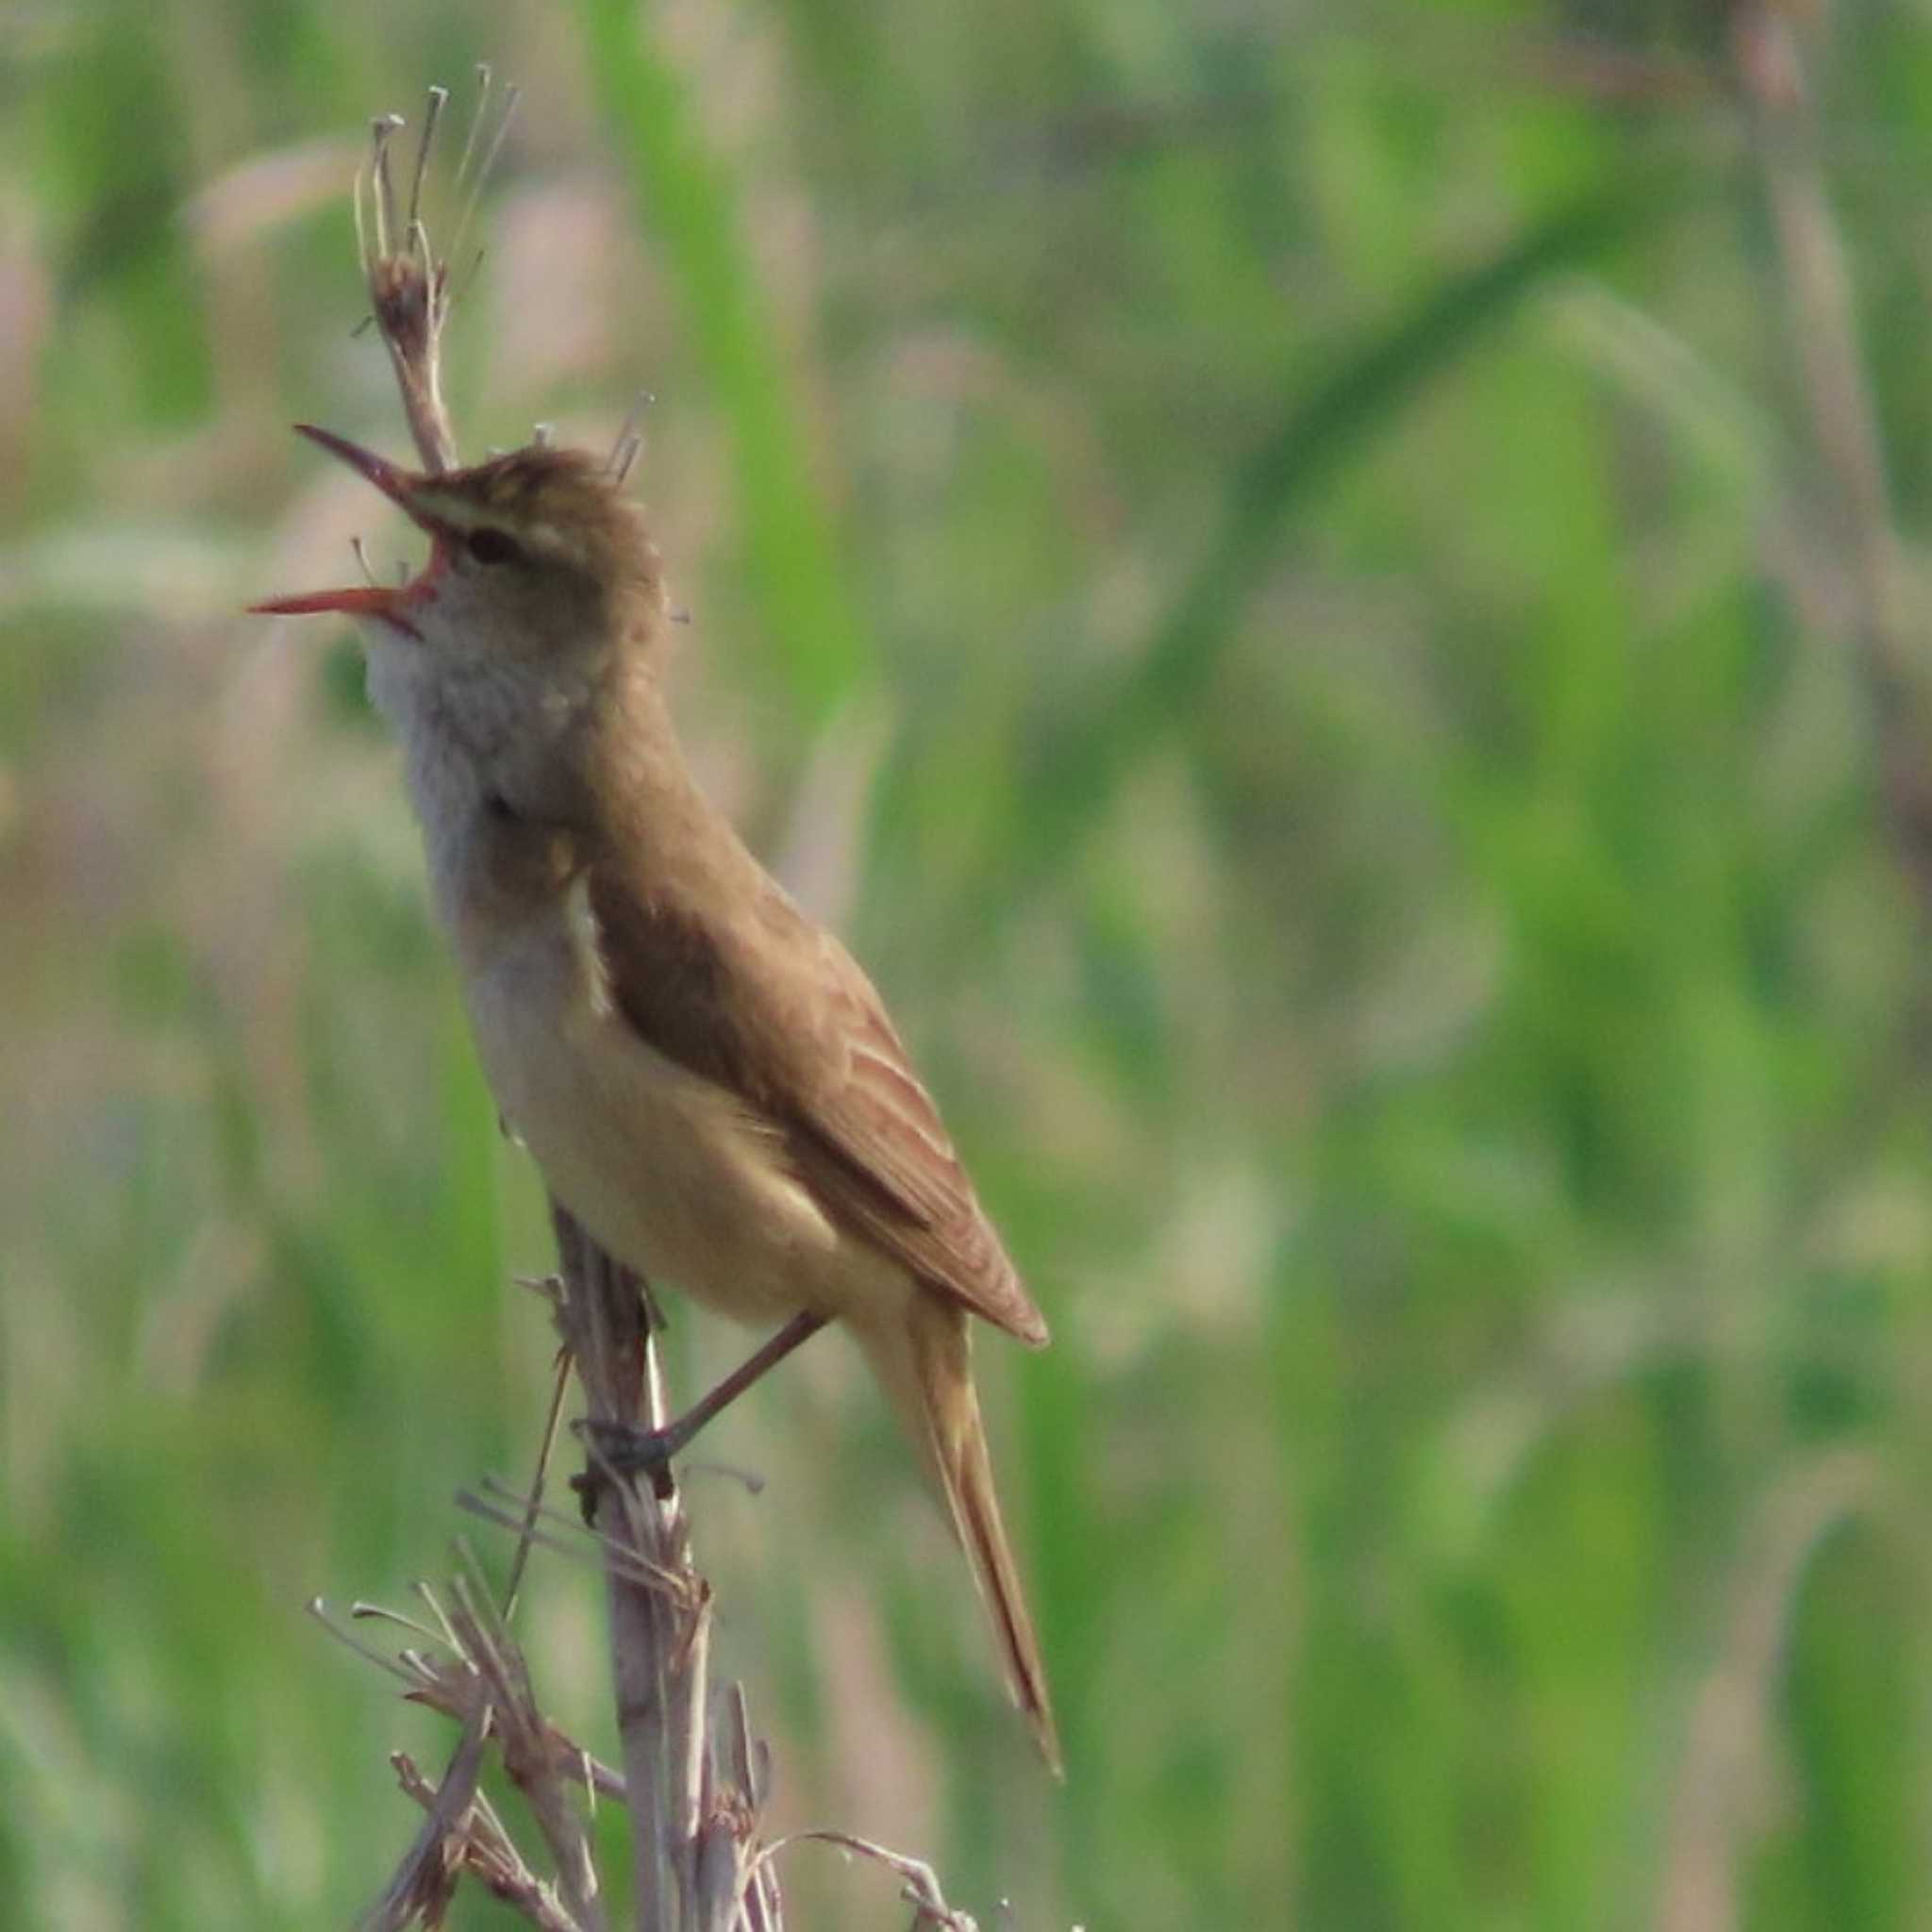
<point>380,1613</point>
<point>407,285</point>
<point>425,1882</point>
<point>485,75</point>
<point>382,130</point>
<point>630,437</point>
<point>318,1609</point>
<point>417,245</point>
<point>358,189</point>
<point>511,96</point>
<point>432,112</point>
<point>436,1610</point>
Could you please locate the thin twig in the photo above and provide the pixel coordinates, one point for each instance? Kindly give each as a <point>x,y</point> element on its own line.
<point>463,1834</point>
<point>425,1882</point>
<point>432,112</point>
<point>551,1423</point>
<point>920,1885</point>
<point>537,1758</point>
<point>654,1637</point>
<point>454,1685</point>
<point>562,1535</point>
<point>511,97</point>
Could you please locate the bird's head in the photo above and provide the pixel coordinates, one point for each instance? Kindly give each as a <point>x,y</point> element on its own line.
<point>537,556</point>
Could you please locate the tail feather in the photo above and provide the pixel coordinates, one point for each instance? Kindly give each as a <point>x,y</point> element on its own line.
<point>928,1370</point>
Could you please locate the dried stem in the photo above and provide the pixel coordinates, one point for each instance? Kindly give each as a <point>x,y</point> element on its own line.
<point>920,1884</point>
<point>533,1507</point>
<point>462,1832</point>
<point>1817,286</point>
<point>425,1882</point>
<point>659,1627</point>
<point>409,288</point>
<point>694,1779</point>
<point>538,1760</point>
<point>693,1809</point>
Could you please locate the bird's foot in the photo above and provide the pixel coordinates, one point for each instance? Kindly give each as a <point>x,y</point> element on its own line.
<point>619,1450</point>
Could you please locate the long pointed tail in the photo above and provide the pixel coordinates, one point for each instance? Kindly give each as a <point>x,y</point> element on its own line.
<point>927,1368</point>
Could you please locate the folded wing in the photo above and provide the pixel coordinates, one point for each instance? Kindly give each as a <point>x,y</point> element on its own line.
<point>774,1009</point>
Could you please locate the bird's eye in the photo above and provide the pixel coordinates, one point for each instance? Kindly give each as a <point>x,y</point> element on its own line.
<point>493,546</point>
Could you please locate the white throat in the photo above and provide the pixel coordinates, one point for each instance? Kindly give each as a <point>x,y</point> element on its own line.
<point>474,727</point>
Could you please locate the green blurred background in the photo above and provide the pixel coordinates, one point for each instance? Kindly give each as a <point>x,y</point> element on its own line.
<point>1304,585</point>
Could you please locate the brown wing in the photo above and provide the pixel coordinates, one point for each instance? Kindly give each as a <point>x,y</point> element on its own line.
<point>773,1007</point>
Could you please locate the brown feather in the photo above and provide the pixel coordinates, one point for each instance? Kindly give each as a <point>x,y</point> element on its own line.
<point>777,1011</point>
<point>926,1366</point>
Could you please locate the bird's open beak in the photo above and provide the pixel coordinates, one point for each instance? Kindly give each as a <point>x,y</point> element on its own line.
<point>392,603</point>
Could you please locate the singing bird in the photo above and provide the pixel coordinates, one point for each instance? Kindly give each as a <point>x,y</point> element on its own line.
<point>706,1079</point>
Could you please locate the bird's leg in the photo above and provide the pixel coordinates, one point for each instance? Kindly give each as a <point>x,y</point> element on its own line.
<point>627,1451</point>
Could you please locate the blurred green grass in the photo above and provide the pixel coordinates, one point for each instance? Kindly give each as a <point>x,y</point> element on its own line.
<point>1273,574</point>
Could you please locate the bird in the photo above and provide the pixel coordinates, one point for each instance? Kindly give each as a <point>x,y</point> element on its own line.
<point>706,1079</point>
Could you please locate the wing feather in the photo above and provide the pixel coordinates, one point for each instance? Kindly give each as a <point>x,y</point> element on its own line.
<point>775,1009</point>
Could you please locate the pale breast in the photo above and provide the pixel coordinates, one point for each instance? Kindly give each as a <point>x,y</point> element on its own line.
<point>669,1171</point>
